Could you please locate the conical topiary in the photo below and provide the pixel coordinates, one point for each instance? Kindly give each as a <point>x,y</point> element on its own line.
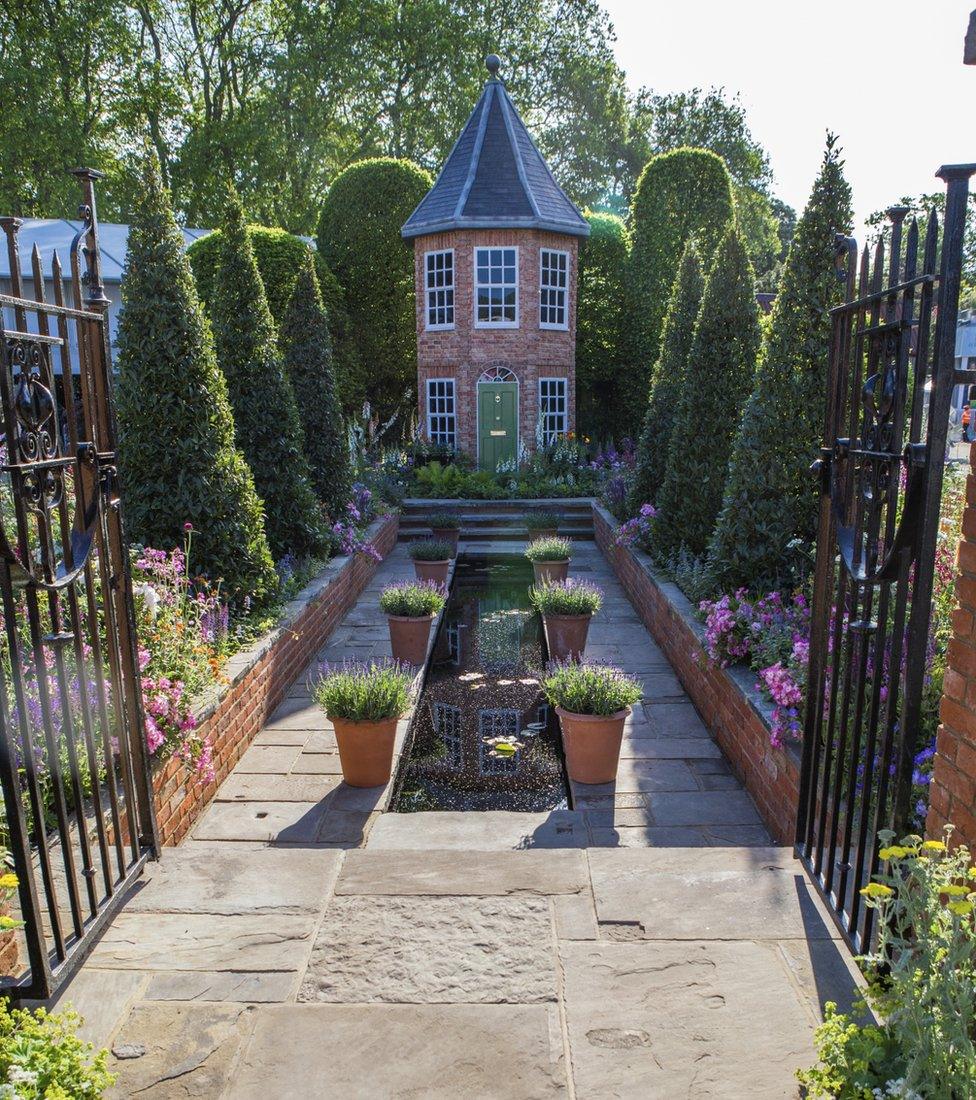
<point>268,428</point>
<point>717,381</point>
<point>667,379</point>
<point>178,460</point>
<point>770,496</point>
<point>307,349</point>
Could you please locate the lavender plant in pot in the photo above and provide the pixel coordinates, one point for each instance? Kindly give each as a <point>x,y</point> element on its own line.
<point>592,702</point>
<point>446,527</point>
<point>431,559</point>
<point>542,525</point>
<point>410,609</point>
<point>550,559</point>
<point>566,608</point>
<point>363,703</point>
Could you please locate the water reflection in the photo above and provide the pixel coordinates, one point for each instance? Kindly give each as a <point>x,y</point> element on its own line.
<point>484,737</point>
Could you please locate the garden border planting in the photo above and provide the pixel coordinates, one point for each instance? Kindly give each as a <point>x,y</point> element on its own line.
<point>736,714</point>
<point>259,677</point>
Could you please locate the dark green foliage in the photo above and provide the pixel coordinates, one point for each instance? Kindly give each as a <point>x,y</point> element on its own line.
<point>307,350</point>
<point>770,497</point>
<point>667,378</point>
<point>279,255</point>
<point>716,383</point>
<point>603,397</point>
<point>682,194</point>
<point>359,238</point>
<point>266,419</point>
<point>179,463</point>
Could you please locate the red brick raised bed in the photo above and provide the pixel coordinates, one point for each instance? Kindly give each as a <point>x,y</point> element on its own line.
<point>259,678</point>
<point>725,697</point>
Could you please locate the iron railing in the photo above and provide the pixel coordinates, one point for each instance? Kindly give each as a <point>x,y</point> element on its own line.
<point>73,764</point>
<point>890,383</point>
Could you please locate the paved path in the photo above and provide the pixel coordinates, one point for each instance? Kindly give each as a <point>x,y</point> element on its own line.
<point>649,943</point>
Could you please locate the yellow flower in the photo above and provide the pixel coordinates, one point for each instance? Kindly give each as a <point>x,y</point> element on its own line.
<point>896,851</point>
<point>934,846</point>
<point>7,924</point>
<point>954,891</point>
<point>961,908</point>
<point>8,881</point>
<point>877,890</point>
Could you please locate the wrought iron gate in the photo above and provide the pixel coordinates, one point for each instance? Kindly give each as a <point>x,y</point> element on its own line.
<point>890,383</point>
<point>73,765</point>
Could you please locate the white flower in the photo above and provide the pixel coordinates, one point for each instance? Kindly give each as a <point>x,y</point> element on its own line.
<point>17,1075</point>
<point>149,597</point>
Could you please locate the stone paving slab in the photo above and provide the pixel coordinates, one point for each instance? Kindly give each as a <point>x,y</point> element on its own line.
<point>694,1019</point>
<point>260,987</point>
<point>391,1052</point>
<point>278,788</point>
<point>209,878</point>
<point>707,897</point>
<point>463,873</point>
<point>177,1050</point>
<point>200,941</point>
<point>289,822</point>
<point>432,949</point>
<point>492,831</point>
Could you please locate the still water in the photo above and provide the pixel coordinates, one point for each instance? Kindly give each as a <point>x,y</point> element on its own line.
<point>484,737</point>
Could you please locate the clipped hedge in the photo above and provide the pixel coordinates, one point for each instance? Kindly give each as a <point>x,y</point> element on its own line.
<point>667,379</point>
<point>604,398</point>
<point>307,349</point>
<point>177,455</point>
<point>280,256</point>
<point>265,416</point>
<point>682,194</point>
<point>770,497</point>
<point>716,383</point>
<point>359,238</point>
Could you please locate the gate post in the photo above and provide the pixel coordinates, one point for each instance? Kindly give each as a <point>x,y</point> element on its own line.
<point>952,793</point>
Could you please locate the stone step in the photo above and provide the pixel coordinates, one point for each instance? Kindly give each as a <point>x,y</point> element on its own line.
<point>495,534</point>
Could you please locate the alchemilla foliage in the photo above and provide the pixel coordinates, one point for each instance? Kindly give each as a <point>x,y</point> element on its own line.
<point>307,349</point>
<point>265,416</point>
<point>718,373</point>
<point>680,195</point>
<point>770,497</point>
<point>667,379</point>
<point>178,458</point>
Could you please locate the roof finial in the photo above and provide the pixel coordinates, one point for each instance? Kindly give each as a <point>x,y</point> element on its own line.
<point>493,63</point>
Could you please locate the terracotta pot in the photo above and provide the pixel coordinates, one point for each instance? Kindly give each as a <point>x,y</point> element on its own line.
<point>366,751</point>
<point>549,571</point>
<point>592,744</point>
<point>448,534</point>
<point>432,570</point>
<point>408,637</point>
<point>566,636</point>
<point>542,532</point>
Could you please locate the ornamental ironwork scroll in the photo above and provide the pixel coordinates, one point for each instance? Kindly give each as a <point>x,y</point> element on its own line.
<point>891,375</point>
<point>73,762</point>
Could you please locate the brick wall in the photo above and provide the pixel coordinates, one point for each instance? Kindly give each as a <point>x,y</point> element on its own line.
<point>464,352</point>
<point>729,707</point>
<point>952,796</point>
<point>259,679</point>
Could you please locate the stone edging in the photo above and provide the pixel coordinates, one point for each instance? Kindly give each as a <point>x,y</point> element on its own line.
<point>258,678</point>
<point>733,710</point>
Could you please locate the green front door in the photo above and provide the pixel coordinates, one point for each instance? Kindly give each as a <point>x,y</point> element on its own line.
<point>497,423</point>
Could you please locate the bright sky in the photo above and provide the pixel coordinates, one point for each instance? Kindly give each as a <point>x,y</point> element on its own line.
<point>886,75</point>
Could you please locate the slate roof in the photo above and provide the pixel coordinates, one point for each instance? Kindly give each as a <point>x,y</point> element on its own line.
<point>495,178</point>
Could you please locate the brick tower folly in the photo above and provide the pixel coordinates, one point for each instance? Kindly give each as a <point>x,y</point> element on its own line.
<point>496,245</point>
